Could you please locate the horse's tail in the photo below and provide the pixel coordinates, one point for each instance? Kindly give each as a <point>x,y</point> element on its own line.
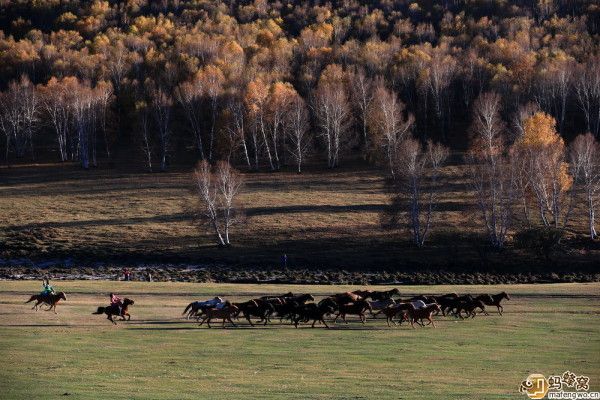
<point>187,308</point>
<point>31,299</point>
<point>100,310</point>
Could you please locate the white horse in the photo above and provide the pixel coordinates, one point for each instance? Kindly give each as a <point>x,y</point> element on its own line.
<point>197,307</point>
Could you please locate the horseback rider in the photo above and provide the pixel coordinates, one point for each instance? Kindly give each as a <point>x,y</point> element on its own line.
<point>116,301</point>
<point>47,288</point>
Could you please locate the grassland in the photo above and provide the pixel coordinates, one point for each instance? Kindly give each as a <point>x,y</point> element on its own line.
<point>546,329</point>
<point>319,219</point>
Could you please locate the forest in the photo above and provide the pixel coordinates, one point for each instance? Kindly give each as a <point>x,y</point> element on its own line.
<point>507,90</point>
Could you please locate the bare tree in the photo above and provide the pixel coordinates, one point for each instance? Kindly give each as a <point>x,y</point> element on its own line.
<point>189,95</point>
<point>217,192</point>
<point>161,106</point>
<point>490,172</point>
<point>416,181</point>
<point>297,127</point>
<point>236,127</point>
<point>84,117</point>
<point>334,118</point>
<point>362,96</point>
<point>587,90</point>
<point>387,124</point>
<point>585,162</point>
<point>145,135</point>
<point>19,116</point>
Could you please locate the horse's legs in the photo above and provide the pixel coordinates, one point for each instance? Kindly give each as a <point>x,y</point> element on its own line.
<point>324,323</point>
<point>230,320</point>
<point>362,318</point>
<point>110,318</point>
<point>431,321</point>
<point>313,324</point>
<point>248,318</point>
<point>208,322</point>
<point>203,320</point>
<point>500,309</point>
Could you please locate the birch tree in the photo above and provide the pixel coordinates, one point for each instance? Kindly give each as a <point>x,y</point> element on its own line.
<point>490,171</point>
<point>387,123</point>
<point>585,162</point>
<point>217,191</point>
<point>415,184</point>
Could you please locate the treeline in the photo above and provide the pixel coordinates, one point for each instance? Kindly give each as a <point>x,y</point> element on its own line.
<point>266,84</point>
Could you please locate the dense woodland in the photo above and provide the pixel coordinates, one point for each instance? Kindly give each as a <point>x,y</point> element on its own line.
<point>265,85</point>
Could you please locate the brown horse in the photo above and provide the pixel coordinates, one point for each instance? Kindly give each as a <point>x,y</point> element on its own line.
<point>391,311</point>
<point>422,313</point>
<point>357,308</point>
<point>224,313</point>
<point>494,300</point>
<point>113,309</point>
<point>50,299</point>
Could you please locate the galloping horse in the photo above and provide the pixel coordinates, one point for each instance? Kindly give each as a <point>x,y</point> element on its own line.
<point>113,309</point>
<point>494,300</point>
<point>50,299</point>
<point>357,308</point>
<point>224,313</point>
<point>422,313</point>
<point>197,307</point>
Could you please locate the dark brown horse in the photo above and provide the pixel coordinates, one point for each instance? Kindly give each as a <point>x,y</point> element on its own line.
<point>494,300</point>
<point>50,299</point>
<point>313,312</point>
<point>469,308</point>
<point>113,309</point>
<point>357,308</point>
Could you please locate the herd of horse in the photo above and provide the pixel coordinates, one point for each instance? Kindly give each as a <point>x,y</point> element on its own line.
<point>302,308</point>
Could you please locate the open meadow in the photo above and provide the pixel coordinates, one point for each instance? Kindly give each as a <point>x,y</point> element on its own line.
<point>546,329</point>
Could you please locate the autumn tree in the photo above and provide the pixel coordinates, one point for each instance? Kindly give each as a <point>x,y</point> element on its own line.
<point>542,153</point>
<point>585,162</point>
<point>217,191</point>
<point>255,100</point>
<point>56,102</point>
<point>490,171</point>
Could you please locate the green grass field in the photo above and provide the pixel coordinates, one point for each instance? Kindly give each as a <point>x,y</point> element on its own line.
<point>546,329</point>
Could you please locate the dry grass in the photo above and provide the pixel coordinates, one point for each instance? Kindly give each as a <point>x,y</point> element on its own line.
<point>319,218</point>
